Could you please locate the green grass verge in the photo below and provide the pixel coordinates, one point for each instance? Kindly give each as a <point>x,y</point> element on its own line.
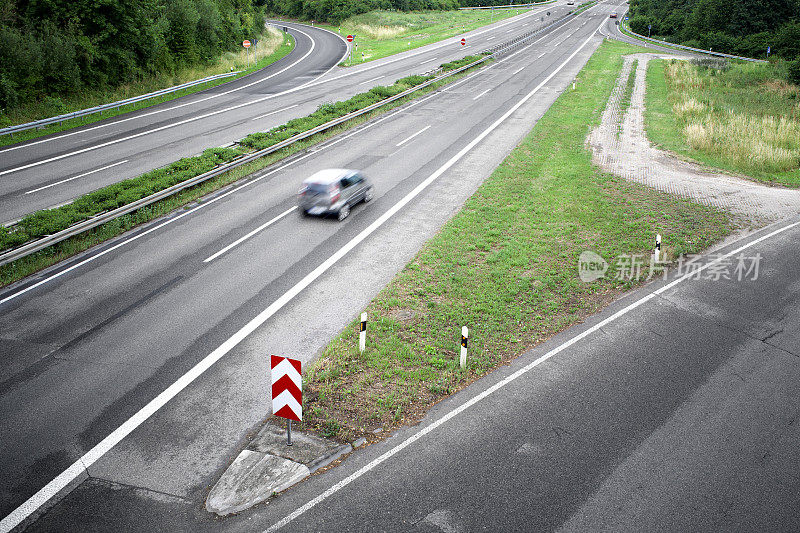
<point>744,119</point>
<point>85,101</point>
<point>384,33</point>
<point>506,267</point>
<point>47,221</point>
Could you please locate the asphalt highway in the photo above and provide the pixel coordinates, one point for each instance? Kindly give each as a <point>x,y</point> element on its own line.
<point>91,342</point>
<point>54,170</point>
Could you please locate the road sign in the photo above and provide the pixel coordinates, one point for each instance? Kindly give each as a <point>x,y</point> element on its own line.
<point>349,38</point>
<point>287,388</point>
<point>246,43</point>
<point>463,42</point>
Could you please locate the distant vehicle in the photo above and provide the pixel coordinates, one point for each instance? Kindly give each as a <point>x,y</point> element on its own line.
<point>334,191</point>
<point>614,15</point>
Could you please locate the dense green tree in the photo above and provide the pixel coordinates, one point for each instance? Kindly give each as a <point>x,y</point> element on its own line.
<point>742,27</point>
<point>52,48</point>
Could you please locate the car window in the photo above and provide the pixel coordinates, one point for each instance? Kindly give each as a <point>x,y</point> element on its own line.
<point>356,178</point>
<point>317,187</point>
<point>346,182</point>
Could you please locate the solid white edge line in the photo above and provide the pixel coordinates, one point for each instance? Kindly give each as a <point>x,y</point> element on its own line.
<point>255,180</point>
<point>172,108</point>
<point>232,191</point>
<point>497,386</point>
<point>343,483</point>
<point>370,80</point>
<point>401,143</point>
<point>242,239</point>
<point>80,466</point>
<point>274,112</point>
<point>481,94</point>
<point>78,176</point>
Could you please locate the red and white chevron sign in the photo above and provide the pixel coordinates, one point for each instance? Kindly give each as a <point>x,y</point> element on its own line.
<point>287,388</point>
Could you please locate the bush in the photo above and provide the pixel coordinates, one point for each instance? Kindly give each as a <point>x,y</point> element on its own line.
<point>793,71</point>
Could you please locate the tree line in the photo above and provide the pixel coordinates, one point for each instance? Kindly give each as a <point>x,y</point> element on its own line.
<point>62,47</point>
<point>335,11</point>
<point>741,27</point>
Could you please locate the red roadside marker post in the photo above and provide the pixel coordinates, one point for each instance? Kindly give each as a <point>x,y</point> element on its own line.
<point>287,390</point>
<point>463,42</point>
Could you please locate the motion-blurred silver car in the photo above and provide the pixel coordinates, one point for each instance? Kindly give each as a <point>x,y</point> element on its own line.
<point>334,191</point>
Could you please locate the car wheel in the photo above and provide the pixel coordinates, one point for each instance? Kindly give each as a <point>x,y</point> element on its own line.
<point>344,212</point>
<point>369,195</point>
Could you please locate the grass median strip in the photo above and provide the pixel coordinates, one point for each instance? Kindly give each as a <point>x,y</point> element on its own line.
<point>740,117</point>
<point>383,33</point>
<point>506,266</point>
<point>50,221</point>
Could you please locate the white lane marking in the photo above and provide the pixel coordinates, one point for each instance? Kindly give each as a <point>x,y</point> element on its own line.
<point>76,177</point>
<point>518,70</point>
<point>335,488</point>
<point>371,80</point>
<point>499,385</point>
<point>401,143</point>
<point>512,29</point>
<point>489,38</point>
<point>171,108</point>
<point>255,180</point>
<point>273,112</point>
<point>428,60</point>
<point>134,136</point>
<point>251,182</point>
<point>541,55</point>
<point>80,466</point>
<point>311,83</point>
<point>239,241</point>
<point>481,94</point>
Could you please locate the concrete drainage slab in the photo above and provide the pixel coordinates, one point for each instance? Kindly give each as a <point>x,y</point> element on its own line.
<point>268,466</point>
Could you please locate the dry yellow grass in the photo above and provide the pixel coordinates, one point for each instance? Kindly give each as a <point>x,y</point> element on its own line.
<point>380,33</point>
<point>751,141</point>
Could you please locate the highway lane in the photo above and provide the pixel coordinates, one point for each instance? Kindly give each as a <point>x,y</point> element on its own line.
<point>32,176</point>
<point>92,346</point>
<point>675,409</point>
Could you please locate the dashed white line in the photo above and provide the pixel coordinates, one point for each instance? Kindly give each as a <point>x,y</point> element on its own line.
<point>542,55</point>
<point>371,80</point>
<point>428,60</point>
<point>76,177</point>
<point>79,467</point>
<point>401,143</point>
<point>518,70</point>
<point>239,241</point>
<point>273,112</point>
<point>481,94</point>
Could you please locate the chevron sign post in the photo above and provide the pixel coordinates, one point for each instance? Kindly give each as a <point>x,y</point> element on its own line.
<point>287,390</point>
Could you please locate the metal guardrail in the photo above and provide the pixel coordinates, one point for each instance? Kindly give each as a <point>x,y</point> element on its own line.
<point>80,227</point>
<point>524,38</point>
<point>101,219</point>
<point>11,130</point>
<point>668,44</point>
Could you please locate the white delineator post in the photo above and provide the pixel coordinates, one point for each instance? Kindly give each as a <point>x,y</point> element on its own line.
<point>464,337</point>
<point>362,335</point>
<point>657,251</point>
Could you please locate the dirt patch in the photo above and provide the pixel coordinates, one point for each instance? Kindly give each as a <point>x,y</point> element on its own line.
<point>620,146</point>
